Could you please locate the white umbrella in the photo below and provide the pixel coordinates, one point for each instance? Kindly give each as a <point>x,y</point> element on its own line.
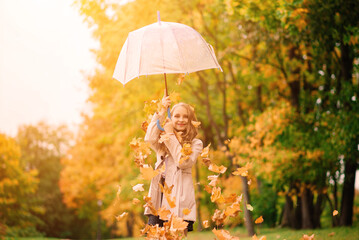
<point>163,47</point>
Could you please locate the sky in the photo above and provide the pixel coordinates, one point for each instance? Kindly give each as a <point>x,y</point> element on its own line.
<point>44,56</point>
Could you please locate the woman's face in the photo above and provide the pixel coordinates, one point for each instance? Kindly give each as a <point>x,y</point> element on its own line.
<point>180,118</point>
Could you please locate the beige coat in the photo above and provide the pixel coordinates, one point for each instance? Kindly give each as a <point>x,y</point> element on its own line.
<point>179,175</point>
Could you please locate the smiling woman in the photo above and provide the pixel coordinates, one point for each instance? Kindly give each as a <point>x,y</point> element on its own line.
<point>44,47</point>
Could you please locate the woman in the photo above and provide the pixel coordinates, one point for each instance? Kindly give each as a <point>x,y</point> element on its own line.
<point>177,172</point>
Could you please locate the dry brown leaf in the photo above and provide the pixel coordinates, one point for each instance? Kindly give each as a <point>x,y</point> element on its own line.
<point>335,212</point>
<point>218,217</point>
<point>306,237</point>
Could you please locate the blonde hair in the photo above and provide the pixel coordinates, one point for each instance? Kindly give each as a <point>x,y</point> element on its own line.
<point>190,132</point>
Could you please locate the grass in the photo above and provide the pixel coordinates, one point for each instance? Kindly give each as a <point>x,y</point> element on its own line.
<point>339,233</point>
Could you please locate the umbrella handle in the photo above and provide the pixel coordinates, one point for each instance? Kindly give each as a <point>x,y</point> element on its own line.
<point>158,121</point>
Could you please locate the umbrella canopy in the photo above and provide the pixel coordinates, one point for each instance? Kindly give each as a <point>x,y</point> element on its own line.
<point>163,47</point>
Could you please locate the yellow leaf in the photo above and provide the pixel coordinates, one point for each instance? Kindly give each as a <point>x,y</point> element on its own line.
<point>186,149</point>
<point>335,212</point>
<point>163,213</point>
<point>215,168</point>
<point>249,207</point>
<point>223,234</point>
<point>178,223</point>
<point>216,195</point>
<point>186,211</point>
<point>233,210</point>
<point>138,188</point>
<point>164,137</point>
<point>259,220</point>
<point>205,151</point>
<point>214,179</point>
<point>135,201</point>
<point>122,216</point>
<point>196,124</point>
<point>147,172</point>
<point>206,224</point>
<point>175,97</point>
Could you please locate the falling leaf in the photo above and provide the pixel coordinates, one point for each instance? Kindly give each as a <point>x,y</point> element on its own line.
<point>205,151</point>
<point>306,237</point>
<point>218,217</point>
<point>249,207</point>
<point>223,234</point>
<point>335,212</point>
<point>138,188</point>
<point>178,223</point>
<point>231,199</point>
<point>206,224</point>
<point>180,79</point>
<point>249,182</point>
<point>135,201</point>
<point>196,124</point>
<point>167,192</point>
<point>147,172</point>
<point>186,149</point>
<point>186,211</point>
<point>227,141</point>
<point>214,179</point>
<point>163,213</point>
<point>122,216</point>
<point>149,204</point>
<point>144,126</point>
<point>259,220</point>
<point>215,168</point>
<point>217,195</point>
<point>135,143</point>
<point>208,189</point>
<point>118,191</point>
<point>164,137</point>
<point>175,97</point>
<point>243,171</point>
<point>232,210</point>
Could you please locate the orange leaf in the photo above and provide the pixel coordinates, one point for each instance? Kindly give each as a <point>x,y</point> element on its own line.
<point>306,237</point>
<point>215,168</point>
<point>135,201</point>
<point>214,179</point>
<point>205,224</point>
<point>259,220</point>
<point>196,124</point>
<point>217,195</point>
<point>335,212</point>
<point>178,223</point>
<point>223,234</point>
<point>186,211</point>
<point>147,172</point>
<point>205,151</point>
<point>122,216</point>
<point>186,149</point>
<point>163,213</point>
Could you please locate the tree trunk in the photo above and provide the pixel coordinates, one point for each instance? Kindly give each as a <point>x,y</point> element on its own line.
<point>287,215</point>
<point>318,210</point>
<point>346,211</point>
<point>307,202</point>
<point>297,219</point>
<point>200,227</point>
<point>247,214</point>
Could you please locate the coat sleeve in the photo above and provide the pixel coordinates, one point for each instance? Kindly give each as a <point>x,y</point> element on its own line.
<point>152,133</point>
<point>175,148</point>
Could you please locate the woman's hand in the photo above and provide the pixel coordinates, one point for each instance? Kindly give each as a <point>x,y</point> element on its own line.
<point>168,126</point>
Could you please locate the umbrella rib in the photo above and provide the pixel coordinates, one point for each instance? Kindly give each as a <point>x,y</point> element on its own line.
<point>179,49</point>
<point>139,65</point>
<point>125,72</point>
<point>210,51</point>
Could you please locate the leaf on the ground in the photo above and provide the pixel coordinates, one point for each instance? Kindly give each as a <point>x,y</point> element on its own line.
<point>223,234</point>
<point>254,237</point>
<point>259,220</point>
<point>306,237</point>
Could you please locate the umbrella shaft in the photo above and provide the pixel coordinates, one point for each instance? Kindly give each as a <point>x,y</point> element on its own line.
<point>166,85</point>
